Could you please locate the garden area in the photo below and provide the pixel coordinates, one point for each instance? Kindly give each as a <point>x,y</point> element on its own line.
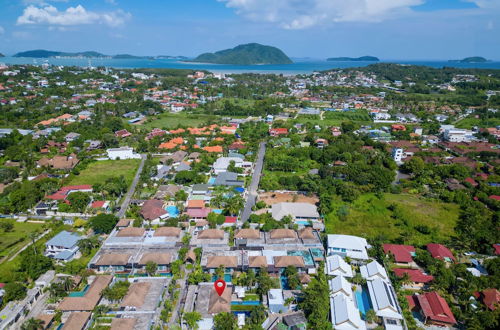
<point>100,171</point>
<point>408,218</point>
<point>174,120</point>
<point>15,235</point>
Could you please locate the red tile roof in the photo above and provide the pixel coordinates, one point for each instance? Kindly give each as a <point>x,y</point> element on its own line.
<point>415,275</point>
<point>495,197</point>
<point>497,248</point>
<point>62,193</point>
<point>439,251</point>
<point>153,209</point>
<point>198,213</point>
<point>230,219</point>
<point>402,253</point>
<point>471,181</point>
<point>490,297</point>
<point>434,307</point>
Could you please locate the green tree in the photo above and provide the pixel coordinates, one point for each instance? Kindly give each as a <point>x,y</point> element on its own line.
<point>225,321</point>
<point>14,291</point>
<point>79,201</point>
<point>7,225</point>
<point>191,319</point>
<point>371,316</point>
<point>103,223</point>
<point>117,291</point>
<point>316,302</point>
<point>151,268</point>
<point>86,245</point>
<point>32,324</point>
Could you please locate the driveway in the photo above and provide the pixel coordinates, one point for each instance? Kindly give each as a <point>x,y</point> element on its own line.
<point>254,185</point>
<point>131,190</point>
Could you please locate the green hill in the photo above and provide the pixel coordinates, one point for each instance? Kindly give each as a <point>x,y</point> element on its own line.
<point>354,59</point>
<point>42,53</point>
<point>249,54</point>
<point>473,59</point>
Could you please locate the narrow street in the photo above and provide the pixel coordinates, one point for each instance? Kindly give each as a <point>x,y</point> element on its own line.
<point>254,185</point>
<point>131,190</point>
<point>174,319</point>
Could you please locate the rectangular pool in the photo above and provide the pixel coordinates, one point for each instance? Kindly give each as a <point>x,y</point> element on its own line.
<point>363,301</point>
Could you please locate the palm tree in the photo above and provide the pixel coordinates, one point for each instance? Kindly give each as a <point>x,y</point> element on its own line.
<point>235,204</point>
<point>32,324</point>
<point>67,283</point>
<point>371,316</point>
<point>191,319</point>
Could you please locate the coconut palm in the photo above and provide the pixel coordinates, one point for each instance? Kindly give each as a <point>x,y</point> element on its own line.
<point>32,324</point>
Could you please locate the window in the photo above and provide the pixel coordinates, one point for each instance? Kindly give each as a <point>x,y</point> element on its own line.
<point>391,321</point>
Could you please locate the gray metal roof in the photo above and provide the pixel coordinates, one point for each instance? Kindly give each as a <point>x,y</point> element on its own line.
<point>64,239</point>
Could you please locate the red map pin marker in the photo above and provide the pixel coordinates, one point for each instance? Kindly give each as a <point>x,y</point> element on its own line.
<point>220,286</point>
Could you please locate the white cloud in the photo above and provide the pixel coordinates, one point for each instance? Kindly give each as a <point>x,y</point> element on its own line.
<point>300,14</point>
<point>486,3</point>
<point>50,15</point>
<point>2,30</point>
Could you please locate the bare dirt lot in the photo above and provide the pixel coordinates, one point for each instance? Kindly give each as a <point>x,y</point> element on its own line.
<point>271,198</point>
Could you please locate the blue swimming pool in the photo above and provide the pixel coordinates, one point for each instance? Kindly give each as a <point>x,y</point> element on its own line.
<point>227,278</point>
<point>363,301</point>
<point>217,211</point>
<point>79,293</point>
<point>302,222</point>
<point>246,303</point>
<point>173,211</point>
<point>211,181</point>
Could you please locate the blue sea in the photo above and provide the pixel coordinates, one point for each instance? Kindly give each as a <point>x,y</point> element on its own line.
<point>300,66</point>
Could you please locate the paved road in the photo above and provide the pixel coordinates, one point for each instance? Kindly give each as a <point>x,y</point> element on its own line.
<point>254,185</point>
<point>131,190</point>
<point>179,307</point>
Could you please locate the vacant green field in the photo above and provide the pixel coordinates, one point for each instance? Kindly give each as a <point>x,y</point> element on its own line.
<point>357,115</point>
<point>99,171</point>
<point>479,122</point>
<point>174,120</point>
<point>371,217</point>
<point>13,241</point>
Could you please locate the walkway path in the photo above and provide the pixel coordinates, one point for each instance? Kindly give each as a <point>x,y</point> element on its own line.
<point>27,245</point>
<point>254,185</point>
<point>131,190</point>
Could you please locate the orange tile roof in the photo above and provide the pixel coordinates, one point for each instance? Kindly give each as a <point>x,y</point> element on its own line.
<point>167,145</point>
<point>213,149</point>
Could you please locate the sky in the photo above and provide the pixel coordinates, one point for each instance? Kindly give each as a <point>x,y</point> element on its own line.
<point>388,29</point>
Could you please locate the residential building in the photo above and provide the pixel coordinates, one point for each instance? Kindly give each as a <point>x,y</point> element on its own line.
<point>63,246</point>
<point>298,211</point>
<point>433,308</point>
<point>122,153</point>
<point>348,246</point>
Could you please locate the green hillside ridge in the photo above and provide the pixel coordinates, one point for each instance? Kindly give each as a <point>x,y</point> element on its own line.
<point>42,53</point>
<point>248,54</point>
<point>472,59</point>
<point>354,59</point>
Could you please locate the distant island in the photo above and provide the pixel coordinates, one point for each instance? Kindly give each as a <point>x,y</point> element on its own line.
<point>473,59</point>
<point>354,59</point>
<point>2,55</point>
<point>169,57</point>
<point>248,54</point>
<point>42,53</point>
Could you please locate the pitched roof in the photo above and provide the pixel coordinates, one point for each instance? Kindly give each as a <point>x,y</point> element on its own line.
<point>156,257</point>
<point>226,261</point>
<point>152,209</point>
<point>76,321</point>
<point>282,233</point>
<point>123,223</point>
<point>64,239</point>
<point>401,253</point>
<point>306,233</point>
<point>491,298</point>
<point>113,259</point>
<point>257,261</point>
<point>439,251</point>
<point>211,234</point>
<point>168,232</point>
<point>340,285</point>
<point>302,210</point>
<point>435,308</point>
<point>285,261</point>
<point>123,323</point>
<point>136,294</point>
<point>220,304</point>
<point>90,299</point>
<point>196,203</point>
<point>415,275</point>
<point>247,233</point>
<point>131,232</point>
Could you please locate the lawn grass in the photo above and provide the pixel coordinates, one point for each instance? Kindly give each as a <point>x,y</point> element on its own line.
<point>356,115</point>
<point>8,269</point>
<point>370,217</point>
<point>479,122</point>
<point>13,241</point>
<point>174,120</point>
<point>100,171</point>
